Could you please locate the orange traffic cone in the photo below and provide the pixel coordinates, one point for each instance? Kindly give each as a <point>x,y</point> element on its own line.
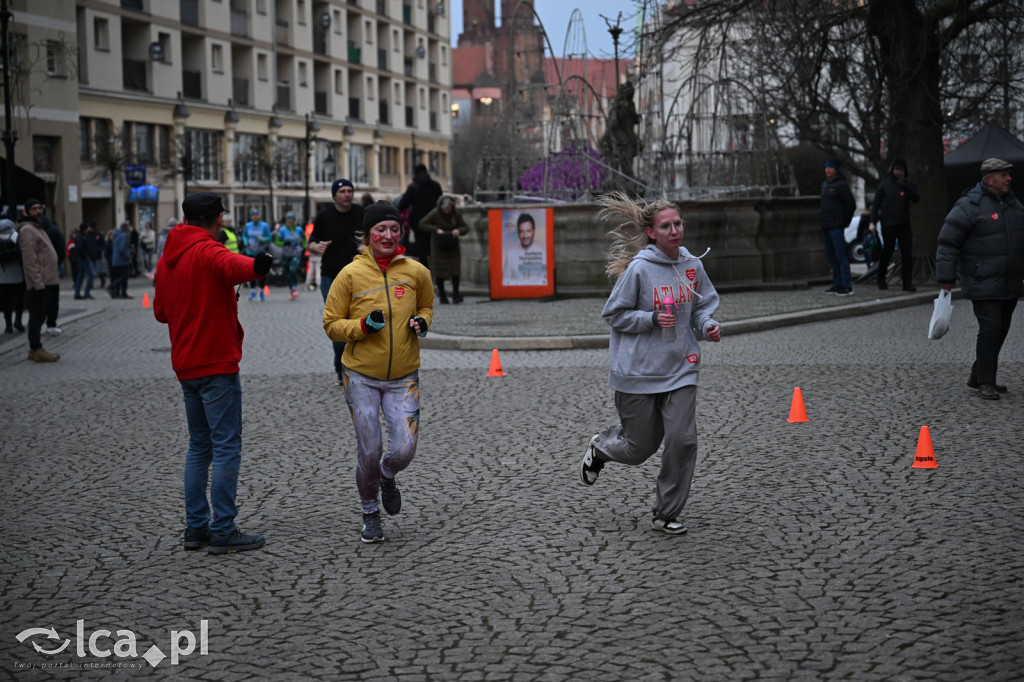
<point>924,458</point>
<point>797,413</point>
<point>495,370</point>
<point>266,290</point>
<point>145,299</point>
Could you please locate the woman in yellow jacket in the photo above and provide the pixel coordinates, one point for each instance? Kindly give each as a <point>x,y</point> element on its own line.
<point>380,304</point>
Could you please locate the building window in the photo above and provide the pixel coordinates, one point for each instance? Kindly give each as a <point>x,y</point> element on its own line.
<point>395,40</point>
<point>444,55</point>
<point>101,34</point>
<point>288,162</point>
<point>84,140</point>
<point>357,163</point>
<point>369,32</point>
<point>423,99</point>
<point>339,82</point>
<point>217,58</point>
<point>389,160</point>
<point>163,145</point>
<point>437,163</point>
<point>101,139</point>
<point>250,159</point>
<point>301,11</point>
<point>325,162</point>
<point>43,153</point>
<point>302,74</point>
<point>337,22</point>
<point>261,6</point>
<point>261,66</point>
<point>55,59</point>
<point>143,143</point>
<point>205,150</point>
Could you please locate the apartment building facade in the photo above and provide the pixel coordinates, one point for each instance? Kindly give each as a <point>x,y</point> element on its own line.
<point>264,101</point>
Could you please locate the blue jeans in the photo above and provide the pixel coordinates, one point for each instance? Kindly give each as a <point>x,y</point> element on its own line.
<point>213,408</point>
<point>339,346</point>
<point>835,251</point>
<point>84,275</point>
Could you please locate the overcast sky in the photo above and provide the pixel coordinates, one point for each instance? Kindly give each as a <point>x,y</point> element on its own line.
<point>555,15</point>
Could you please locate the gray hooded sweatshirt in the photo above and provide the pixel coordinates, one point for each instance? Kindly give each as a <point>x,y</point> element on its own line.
<point>644,357</point>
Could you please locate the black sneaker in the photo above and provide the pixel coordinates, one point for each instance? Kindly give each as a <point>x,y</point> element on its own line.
<point>390,498</point>
<point>670,526</point>
<point>591,465</point>
<point>973,383</point>
<point>197,538</point>
<point>236,541</point>
<point>832,289</point>
<point>844,291</point>
<point>372,531</point>
<point>909,287</point>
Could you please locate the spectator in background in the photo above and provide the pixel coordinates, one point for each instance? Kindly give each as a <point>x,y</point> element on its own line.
<point>256,238</point>
<point>982,243</point>
<point>120,261</point>
<point>52,290</point>
<point>147,242</point>
<point>421,196</point>
<point>84,276</point>
<point>12,278</point>
<point>366,199</point>
<point>290,236</point>
<point>837,209</point>
<point>446,228</point>
<point>892,208</point>
<point>39,261</point>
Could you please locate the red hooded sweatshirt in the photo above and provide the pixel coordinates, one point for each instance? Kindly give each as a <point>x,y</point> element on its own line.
<point>195,297</point>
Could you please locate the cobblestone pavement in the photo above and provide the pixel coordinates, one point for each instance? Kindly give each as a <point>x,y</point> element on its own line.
<point>815,551</point>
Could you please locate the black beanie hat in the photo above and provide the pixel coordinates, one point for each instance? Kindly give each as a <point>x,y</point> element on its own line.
<point>378,212</point>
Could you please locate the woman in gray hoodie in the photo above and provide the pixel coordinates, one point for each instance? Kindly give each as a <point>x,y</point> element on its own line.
<point>661,301</point>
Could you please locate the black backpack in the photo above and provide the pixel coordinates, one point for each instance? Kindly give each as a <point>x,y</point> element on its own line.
<point>9,251</point>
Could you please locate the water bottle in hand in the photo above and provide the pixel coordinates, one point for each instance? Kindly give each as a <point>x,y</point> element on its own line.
<point>668,306</point>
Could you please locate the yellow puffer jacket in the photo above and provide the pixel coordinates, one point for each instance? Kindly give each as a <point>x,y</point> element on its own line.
<point>403,291</point>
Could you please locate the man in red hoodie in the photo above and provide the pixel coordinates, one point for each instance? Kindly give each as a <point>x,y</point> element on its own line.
<point>197,300</point>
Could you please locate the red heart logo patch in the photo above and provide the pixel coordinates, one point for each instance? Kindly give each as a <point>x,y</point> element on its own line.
<point>692,358</point>
<point>690,274</point>
<point>399,292</point>
<point>994,216</point>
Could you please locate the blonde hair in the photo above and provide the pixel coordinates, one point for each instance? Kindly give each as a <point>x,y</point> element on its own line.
<point>629,236</point>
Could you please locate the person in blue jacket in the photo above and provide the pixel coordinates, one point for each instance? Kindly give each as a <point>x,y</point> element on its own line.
<point>256,239</point>
<point>661,301</point>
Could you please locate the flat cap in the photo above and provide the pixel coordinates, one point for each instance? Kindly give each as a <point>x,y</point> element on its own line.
<point>993,165</point>
<point>202,206</point>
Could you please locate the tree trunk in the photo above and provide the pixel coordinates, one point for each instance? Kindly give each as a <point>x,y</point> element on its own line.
<point>909,47</point>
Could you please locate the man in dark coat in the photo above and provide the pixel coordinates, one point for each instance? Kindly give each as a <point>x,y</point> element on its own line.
<point>421,195</point>
<point>837,209</point>
<point>982,243</point>
<point>892,207</point>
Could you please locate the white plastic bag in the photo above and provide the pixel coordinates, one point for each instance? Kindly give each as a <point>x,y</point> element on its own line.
<point>940,316</point>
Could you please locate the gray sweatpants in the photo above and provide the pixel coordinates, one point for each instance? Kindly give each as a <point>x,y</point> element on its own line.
<point>646,419</point>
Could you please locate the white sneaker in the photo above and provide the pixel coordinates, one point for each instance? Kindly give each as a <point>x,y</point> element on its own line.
<point>591,465</point>
<point>672,527</point>
<point>53,330</point>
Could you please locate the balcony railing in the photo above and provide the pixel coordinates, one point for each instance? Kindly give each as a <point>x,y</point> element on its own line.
<point>190,12</point>
<point>407,67</point>
<point>282,32</point>
<point>353,109</point>
<point>320,102</point>
<point>239,23</point>
<point>240,91</point>
<point>284,96</point>
<point>134,73</point>
<point>430,22</point>
<point>192,84</point>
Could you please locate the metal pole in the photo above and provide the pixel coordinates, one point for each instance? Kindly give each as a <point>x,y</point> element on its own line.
<point>9,136</point>
<point>305,204</point>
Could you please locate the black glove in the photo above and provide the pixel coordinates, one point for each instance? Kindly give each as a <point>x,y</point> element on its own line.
<point>264,261</point>
<point>422,323</point>
<point>374,322</point>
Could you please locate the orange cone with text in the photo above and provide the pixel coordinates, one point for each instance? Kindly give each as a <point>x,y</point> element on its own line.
<point>266,290</point>
<point>495,370</point>
<point>797,413</point>
<point>924,458</point>
<point>145,299</point>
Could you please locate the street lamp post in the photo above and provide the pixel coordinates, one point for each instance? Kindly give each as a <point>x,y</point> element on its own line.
<point>312,128</point>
